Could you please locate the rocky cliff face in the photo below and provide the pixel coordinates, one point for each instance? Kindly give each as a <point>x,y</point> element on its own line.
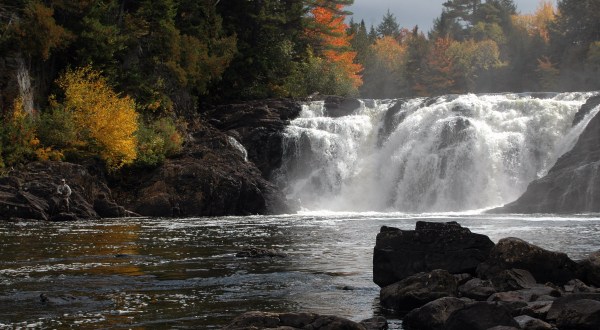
<point>222,170</point>
<point>29,192</point>
<point>573,183</point>
<point>210,178</point>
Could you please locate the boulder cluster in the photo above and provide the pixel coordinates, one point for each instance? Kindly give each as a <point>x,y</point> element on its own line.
<point>445,277</point>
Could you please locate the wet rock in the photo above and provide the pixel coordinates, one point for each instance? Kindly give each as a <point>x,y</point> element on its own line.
<point>539,292</point>
<point>577,286</point>
<point>375,323</point>
<point>544,265</point>
<point>401,253</point>
<point>512,279</point>
<point>589,269</point>
<point>563,303</point>
<point>480,316</point>
<point>264,320</point>
<point>260,253</point>
<point>537,309</point>
<point>417,290</point>
<point>336,106</point>
<point>106,208</point>
<point>433,315</point>
<point>529,323</point>
<point>477,289</point>
<point>580,314</point>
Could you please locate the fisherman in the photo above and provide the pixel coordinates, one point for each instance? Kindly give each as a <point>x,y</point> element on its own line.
<point>64,191</point>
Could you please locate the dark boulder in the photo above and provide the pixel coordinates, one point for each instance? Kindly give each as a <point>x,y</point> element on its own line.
<point>563,303</point>
<point>481,316</point>
<point>512,279</point>
<point>527,322</point>
<point>477,289</point>
<point>336,106</point>
<point>589,269</point>
<point>107,208</point>
<point>433,315</point>
<point>417,290</point>
<point>544,265</point>
<point>401,253</point>
<point>580,314</point>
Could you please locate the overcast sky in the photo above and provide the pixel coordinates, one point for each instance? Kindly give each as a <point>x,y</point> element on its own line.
<point>409,13</point>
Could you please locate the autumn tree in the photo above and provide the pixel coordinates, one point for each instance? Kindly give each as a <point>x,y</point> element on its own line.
<point>331,41</point>
<point>384,75</point>
<point>105,122</point>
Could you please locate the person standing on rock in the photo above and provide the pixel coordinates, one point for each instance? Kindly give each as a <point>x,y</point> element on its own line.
<point>64,191</point>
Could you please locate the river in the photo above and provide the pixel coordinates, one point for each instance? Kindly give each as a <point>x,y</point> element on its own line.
<point>147,273</point>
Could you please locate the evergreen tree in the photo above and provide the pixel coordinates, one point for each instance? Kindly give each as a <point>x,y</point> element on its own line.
<point>388,26</point>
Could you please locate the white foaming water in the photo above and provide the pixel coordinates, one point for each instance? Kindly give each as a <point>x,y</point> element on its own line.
<point>236,144</point>
<point>451,153</point>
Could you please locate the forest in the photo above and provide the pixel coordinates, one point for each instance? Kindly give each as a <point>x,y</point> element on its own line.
<point>122,80</point>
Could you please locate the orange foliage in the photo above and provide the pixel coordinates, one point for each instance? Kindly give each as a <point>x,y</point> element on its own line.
<point>330,32</point>
<point>441,66</point>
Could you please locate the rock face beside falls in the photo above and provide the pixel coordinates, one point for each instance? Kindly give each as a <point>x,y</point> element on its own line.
<point>210,177</point>
<point>573,184</point>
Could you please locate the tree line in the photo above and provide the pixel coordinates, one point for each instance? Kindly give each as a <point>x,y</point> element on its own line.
<point>121,79</point>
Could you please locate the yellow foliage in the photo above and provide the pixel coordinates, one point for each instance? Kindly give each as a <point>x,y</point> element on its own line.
<point>537,24</point>
<point>390,53</point>
<point>106,122</point>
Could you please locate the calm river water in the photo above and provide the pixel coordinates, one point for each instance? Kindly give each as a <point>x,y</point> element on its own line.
<point>183,273</point>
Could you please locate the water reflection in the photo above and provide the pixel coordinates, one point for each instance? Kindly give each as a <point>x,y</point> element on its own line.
<point>165,273</point>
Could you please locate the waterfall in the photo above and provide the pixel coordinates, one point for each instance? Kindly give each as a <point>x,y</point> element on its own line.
<point>237,145</point>
<point>449,153</point>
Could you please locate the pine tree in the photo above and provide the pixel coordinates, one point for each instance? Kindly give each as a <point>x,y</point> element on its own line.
<point>388,26</point>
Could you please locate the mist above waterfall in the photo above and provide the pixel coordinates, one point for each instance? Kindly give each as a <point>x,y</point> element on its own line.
<point>450,153</point>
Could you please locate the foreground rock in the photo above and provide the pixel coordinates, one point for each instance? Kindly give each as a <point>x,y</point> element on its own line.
<point>264,320</point>
<point>518,286</point>
<point>29,192</point>
<point>401,253</point>
<point>571,185</point>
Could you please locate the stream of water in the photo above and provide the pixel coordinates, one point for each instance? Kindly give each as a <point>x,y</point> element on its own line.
<point>183,273</point>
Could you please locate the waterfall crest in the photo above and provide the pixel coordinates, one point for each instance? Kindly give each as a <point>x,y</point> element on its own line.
<point>449,153</point>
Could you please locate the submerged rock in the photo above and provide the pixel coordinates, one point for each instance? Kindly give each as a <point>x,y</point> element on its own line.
<point>265,320</point>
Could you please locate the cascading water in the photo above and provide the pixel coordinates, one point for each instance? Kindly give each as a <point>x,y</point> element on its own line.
<point>450,153</point>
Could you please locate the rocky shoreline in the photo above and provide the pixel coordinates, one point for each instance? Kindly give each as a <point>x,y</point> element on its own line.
<point>443,276</point>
